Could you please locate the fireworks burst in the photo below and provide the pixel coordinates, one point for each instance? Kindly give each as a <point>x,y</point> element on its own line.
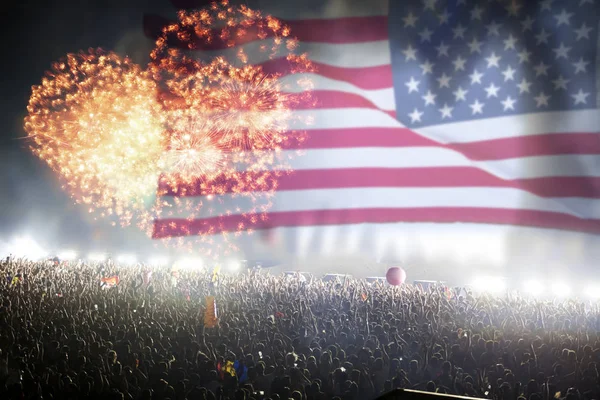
<point>249,106</point>
<point>195,152</point>
<point>211,132</point>
<point>96,121</point>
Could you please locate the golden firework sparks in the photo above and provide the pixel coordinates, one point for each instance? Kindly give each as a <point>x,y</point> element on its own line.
<point>249,106</point>
<point>216,131</point>
<point>95,119</point>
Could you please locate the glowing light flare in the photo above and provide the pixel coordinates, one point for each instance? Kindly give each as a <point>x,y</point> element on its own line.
<point>593,292</point>
<point>97,257</point>
<point>95,120</point>
<point>190,263</point>
<point>489,284</point>
<point>67,255</point>
<point>26,247</point>
<point>533,287</point>
<point>159,260</point>
<point>561,289</point>
<point>127,259</point>
<point>194,152</point>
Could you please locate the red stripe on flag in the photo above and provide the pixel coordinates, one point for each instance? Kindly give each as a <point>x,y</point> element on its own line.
<point>487,150</point>
<point>438,177</point>
<point>369,78</point>
<point>528,146</point>
<point>541,219</point>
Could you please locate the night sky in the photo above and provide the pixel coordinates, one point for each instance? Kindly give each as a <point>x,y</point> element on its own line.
<point>36,33</point>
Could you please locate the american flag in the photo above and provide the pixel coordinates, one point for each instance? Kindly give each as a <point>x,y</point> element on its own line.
<point>443,111</point>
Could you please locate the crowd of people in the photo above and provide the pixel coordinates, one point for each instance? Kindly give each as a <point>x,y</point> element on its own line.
<point>101,331</point>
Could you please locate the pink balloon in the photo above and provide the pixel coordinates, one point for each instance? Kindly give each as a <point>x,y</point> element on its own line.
<point>395,276</point>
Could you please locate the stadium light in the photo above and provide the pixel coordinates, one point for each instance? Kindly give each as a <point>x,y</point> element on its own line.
<point>593,292</point>
<point>489,284</point>
<point>126,259</point>
<point>27,247</point>
<point>195,263</point>
<point>98,257</point>
<point>533,287</point>
<point>158,260</point>
<point>234,265</point>
<point>67,255</point>
<point>560,289</point>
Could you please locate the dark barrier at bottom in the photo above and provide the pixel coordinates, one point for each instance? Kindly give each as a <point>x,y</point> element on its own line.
<point>406,394</point>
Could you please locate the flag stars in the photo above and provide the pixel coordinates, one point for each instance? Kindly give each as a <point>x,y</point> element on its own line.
<point>459,64</point>
<point>508,103</point>
<point>560,83</point>
<point>444,81</point>
<point>444,17</point>
<point>492,90</point>
<point>410,20</point>
<point>425,35</point>
<point>477,107</point>
<point>429,4</point>
<point>546,5</point>
<point>563,18</point>
<point>541,69</point>
<point>459,31</point>
<point>541,100</point>
<point>562,51</point>
<point>427,67</point>
<point>442,49</point>
<point>475,46</point>
<point>509,74</point>
<point>476,77</point>
<point>542,37</point>
<point>415,116</point>
<point>580,97</point>
<point>446,111</point>
<point>527,24</point>
<point>583,32</point>
<point>524,86</point>
<point>429,98</point>
<point>410,53</point>
<point>476,13</point>
<point>460,94</point>
<point>413,85</point>
<point>513,8</point>
<point>581,66</point>
<point>492,60</point>
<point>524,56</point>
<point>510,42</point>
<point>493,29</point>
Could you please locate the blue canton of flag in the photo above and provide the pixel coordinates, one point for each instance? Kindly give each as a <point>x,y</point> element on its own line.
<point>459,60</point>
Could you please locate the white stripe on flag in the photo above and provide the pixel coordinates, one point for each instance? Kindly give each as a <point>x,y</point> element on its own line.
<point>358,198</point>
<point>352,55</point>
<point>517,125</point>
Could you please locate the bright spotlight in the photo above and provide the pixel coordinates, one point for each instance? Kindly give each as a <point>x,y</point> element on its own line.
<point>534,288</point>
<point>489,284</point>
<point>98,257</point>
<point>234,265</point>
<point>67,255</point>
<point>28,248</point>
<point>593,292</point>
<point>159,260</point>
<point>191,263</point>
<point>126,259</point>
<point>560,289</point>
